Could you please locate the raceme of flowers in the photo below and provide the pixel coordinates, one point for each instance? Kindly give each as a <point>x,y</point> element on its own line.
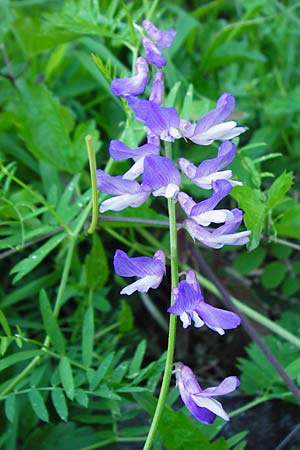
<point>154,174</point>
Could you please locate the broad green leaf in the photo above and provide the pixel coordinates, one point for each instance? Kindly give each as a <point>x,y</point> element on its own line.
<point>252,202</point>
<point>51,324</point>
<point>28,264</point>
<point>273,274</point>
<point>18,357</point>
<point>88,336</point>
<point>279,188</point>
<point>101,371</point>
<point>66,377</point>
<point>60,404</point>
<point>38,405</point>
<point>4,323</point>
<point>245,263</point>
<point>96,265</point>
<point>10,407</point>
<point>289,223</point>
<point>137,359</point>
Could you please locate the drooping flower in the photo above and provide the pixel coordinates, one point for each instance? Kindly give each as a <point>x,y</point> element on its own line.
<point>190,306</point>
<point>163,38</point>
<point>203,213</point>
<point>162,121</point>
<point>120,151</point>
<point>135,85</point>
<point>161,176</point>
<point>153,55</point>
<point>149,270</point>
<point>126,192</point>
<point>212,127</point>
<point>200,402</point>
<point>209,170</point>
<point>223,235</point>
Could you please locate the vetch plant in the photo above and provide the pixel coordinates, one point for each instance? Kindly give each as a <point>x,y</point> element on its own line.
<point>155,173</point>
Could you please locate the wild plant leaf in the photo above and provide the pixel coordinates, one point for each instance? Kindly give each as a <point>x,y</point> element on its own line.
<point>96,264</point>
<point>288,224</point>
<point>81,397</point>
<point>10,407</point>
<point>11,360</point>
<point>38,405</point>
<point>51,324</point>
<point>101,371</point>
<point>88,336</point>
<point>4,323</point>
<point>25,266</point>
<point>279,188</point>
<point>66,377</point>
<point>60,404</point>
<point>137,359</point>
<point>105,392</point>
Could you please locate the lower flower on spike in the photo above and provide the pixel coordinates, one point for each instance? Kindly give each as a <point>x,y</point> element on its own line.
<point>200,402</point>
<point>190,306</point>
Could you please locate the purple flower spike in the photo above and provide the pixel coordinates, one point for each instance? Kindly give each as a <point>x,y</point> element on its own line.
<point>203,213</point>
<point>212,127</point>
<point>121,87</point>
<point>209,170</point>
<point>162,121</point>
<point>163,38</point>
<point>161,176</point>
<point>190,306</point>
<point>127,192</point>
<point>200,402</point>
<point>153,55</point>
<point>223,235</point>
<point>120,151</point>
<point>149,270</point>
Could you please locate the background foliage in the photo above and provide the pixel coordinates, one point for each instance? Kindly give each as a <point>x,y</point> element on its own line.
<point>79,365</point>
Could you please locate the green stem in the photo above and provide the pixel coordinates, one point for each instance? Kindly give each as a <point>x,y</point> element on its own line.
<point>172,322</point>
<point>92,161</point>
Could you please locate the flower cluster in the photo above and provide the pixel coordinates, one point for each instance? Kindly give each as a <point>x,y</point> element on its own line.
<point>157,175</point>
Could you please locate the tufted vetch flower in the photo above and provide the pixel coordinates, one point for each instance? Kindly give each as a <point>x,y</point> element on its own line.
<point>135,85</point>
<point>190,306</point>
<point>200,402</point>
<point>149,270</point>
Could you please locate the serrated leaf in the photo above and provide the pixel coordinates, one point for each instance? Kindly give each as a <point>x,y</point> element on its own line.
<point>66,377</point>
<point>51,324</point>
<point>28,264</point>
<point>101,371</point>
<point>279,188</point>
<point>96,265</point>
<point>60,404</point>
<point>38,405</point>
<point>137,359</point>
<point>10,407</point>
<point>81,398</point>
<point>88,337</point>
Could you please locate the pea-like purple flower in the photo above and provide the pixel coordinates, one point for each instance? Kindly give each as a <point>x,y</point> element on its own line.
<point>161,176</point>
<point>209,170</point>
<point>153,55</point>
<point>162,121</point>
<point>150,271</point>
<point>120,151</point>
<point>203,213</point>
<point>135,85</point>
<point>213,126</point>
<point>126,192</point>
<point>200,402</point>
<point>163,38</point>
<point>190,306</point>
